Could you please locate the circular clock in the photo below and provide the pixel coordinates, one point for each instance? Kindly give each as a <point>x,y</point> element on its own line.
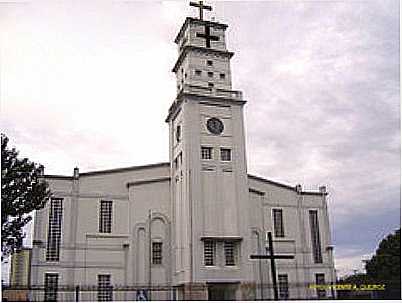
<point>178,133</point>
<point>215,126</point>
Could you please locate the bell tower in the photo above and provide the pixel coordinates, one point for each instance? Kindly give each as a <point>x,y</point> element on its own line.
<point>209,190</point>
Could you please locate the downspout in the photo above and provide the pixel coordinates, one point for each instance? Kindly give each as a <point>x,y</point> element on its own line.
<point>150,254</point>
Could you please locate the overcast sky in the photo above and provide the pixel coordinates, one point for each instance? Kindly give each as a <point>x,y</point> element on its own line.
<point>88,84</point>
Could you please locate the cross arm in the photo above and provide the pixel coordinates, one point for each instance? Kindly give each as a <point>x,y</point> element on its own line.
<point>207,7</point>
<point>271,257</point>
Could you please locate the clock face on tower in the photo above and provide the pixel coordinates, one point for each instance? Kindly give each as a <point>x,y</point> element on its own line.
<point>215,126</point>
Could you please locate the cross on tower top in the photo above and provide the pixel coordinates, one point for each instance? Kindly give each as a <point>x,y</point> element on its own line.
<point>201,7</point>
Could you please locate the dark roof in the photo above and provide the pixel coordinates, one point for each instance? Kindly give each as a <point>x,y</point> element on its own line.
<point>283,185</point>
<point>60,177</point>
<point>109,171</point>
<point>272,182</point>
<point>123,169</point>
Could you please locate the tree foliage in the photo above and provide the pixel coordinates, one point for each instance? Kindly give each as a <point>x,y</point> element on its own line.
<point>383,268</point>
<point>385,265</point>
<point>22,191</point>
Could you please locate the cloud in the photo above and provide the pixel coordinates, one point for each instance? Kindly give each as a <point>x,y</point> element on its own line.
<point>91,85</point>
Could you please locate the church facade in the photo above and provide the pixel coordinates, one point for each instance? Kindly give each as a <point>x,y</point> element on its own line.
<point>191,223</point>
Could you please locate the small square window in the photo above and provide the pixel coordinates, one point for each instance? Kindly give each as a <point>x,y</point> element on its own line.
<point>210,84</point>
<point>209,62</point>
<point>198,72</point>
<point>206,153</point>
<point>210,74</point>
<point>226,154</point>
<point>222,76</point>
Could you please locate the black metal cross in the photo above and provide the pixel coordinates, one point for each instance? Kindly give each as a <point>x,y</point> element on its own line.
<point>272,257</point>
<point>201,7</point>
<point>207,36</point>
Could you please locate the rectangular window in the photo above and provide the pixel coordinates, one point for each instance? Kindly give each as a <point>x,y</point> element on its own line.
<point>230,253</point>
<point>226,154</point>
<point>206,153</point>
<point>283,286</point>
<point>315,236</point>
<point>157,253</point>
<point>278,223</point>
<point>105,217</point>
<point>210,63</point>
<point>198,72</point>
<point>209,253</point>
<point>51,285</point>
<point>105,290</point>
<point>222,76</point>
<point>54,229</point>
<point>320,280</point>
<point>210,84</point>
<point>210,74</point>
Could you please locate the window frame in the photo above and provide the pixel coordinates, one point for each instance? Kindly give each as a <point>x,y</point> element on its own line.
<point>283,287</point>
<point>105,216</point>
<point>320,280</point>
<point>279,227</point>
<point>210,151</point>
<point>315,236</point>
<point>157,253</point>
<point>226,149</point>
<point>51,291</point>
<point>230,247</point>
<point>55,226</point>
<point>209,253</point>
<point>105,288</point>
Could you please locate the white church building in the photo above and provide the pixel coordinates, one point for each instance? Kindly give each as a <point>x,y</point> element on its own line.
<point>191,224</point>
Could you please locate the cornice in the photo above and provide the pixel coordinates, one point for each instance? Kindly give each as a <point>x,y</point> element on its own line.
<point>192,96</point>
<point>141,182</point>
<point>272,182</point>
<point>200,22</point>
<point>123,169</point>
<point>188,48</point>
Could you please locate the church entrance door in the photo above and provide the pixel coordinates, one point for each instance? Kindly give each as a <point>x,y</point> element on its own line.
<point>222,291</point>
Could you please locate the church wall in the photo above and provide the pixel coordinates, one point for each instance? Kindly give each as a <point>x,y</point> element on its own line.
<point>85,252</point>
<point>196,41</point>
<point>150,201</point>
<point>198,61</point>
<point>115,183</point>
<point>295,207</point>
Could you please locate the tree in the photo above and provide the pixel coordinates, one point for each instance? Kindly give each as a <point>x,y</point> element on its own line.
<point>385,265</point>
<point>22,190</point>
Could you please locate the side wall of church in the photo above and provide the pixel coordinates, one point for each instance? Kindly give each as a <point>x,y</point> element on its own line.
<point>85,252</point>
<point>295,206</point>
